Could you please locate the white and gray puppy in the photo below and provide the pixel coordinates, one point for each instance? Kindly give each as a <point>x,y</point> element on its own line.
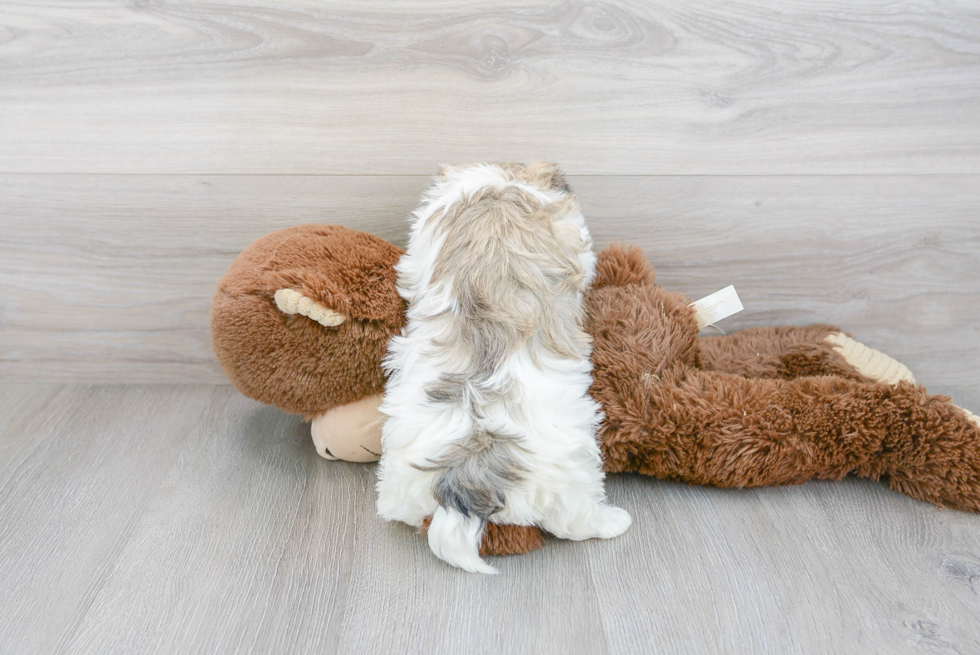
<point>488,415</point>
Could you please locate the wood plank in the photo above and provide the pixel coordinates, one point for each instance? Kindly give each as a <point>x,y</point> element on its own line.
<point>624,87</point>
<point>109,278</point>
<point>254,543</point>
<point>401,599</point>
<point>248,541</point>
<point>188,519</point>
<point>75,471</point>
<point>20,403</point>
<point>826,567</point>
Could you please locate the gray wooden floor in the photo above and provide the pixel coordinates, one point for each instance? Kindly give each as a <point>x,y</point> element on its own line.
<point>186,519</point>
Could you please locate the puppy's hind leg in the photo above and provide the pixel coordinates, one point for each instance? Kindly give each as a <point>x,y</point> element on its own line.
<point>573,500</point>
<point>580,516</point>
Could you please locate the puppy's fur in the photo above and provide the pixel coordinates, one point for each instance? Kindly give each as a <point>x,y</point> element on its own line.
<point>488,417</point>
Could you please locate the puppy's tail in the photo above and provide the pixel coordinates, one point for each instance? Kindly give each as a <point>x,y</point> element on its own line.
<point>455,539</point>
<point>476,473</point>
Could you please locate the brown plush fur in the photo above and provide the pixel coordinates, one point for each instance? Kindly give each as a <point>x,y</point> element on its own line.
<point>782,418</point>
<point>780,352</point>
<point>761,407</point>
<point>293,362</point>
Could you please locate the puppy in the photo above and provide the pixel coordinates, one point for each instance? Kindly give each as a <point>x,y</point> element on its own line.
<point>487,412</point>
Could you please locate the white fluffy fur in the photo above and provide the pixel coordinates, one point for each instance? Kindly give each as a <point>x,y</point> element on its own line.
<point>561,489</point>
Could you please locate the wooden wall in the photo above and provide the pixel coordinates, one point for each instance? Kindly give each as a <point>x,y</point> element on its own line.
<point>824,157</point>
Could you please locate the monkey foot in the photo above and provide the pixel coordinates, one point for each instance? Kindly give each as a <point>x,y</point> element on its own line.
<point>869,362</point>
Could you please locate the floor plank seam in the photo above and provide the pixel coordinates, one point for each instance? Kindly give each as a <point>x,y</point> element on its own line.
<point>65,643</point>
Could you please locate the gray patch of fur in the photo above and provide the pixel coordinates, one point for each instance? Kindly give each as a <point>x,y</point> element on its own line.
<point>457,390</point>
<point>450,389</point>
<point>558,182</point>
<point>476,472</point>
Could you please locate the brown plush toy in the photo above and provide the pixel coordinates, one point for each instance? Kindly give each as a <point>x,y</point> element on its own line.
<point>302,318</point>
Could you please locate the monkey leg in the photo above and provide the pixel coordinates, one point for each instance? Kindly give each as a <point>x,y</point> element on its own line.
<point>792,352</point>
<point>729,431</point>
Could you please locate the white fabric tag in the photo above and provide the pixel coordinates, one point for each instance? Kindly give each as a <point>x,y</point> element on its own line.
<point>721,304</point>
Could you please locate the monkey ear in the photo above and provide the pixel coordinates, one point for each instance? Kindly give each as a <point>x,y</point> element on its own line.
<point>548,176</point>
<point>290,301</point>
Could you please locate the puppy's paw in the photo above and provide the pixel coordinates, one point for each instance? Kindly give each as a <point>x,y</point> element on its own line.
<point>597,521</point>
<point>611,522</point>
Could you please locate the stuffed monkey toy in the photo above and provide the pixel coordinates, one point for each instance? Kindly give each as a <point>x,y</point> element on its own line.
<point>303,316</point>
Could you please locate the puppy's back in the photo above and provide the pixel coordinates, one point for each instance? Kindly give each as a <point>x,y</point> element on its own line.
<point>511,263</point>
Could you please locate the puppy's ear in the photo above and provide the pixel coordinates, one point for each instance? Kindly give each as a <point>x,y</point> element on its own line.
<point>445,170</point>
<point>547,176</point>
